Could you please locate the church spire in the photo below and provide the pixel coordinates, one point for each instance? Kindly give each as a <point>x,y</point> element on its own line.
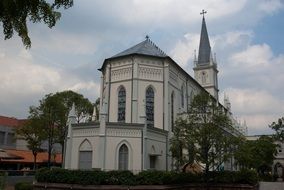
<point>204,44</point>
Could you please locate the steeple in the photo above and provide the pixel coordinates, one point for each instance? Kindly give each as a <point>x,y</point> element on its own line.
<point>205,67</point>
<point>204,44</point>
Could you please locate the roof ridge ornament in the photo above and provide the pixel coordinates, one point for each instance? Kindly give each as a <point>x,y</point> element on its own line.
<point>147,37</point>
<point>203,12</point>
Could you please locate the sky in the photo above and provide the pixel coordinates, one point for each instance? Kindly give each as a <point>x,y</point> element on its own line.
<point>246,35</point>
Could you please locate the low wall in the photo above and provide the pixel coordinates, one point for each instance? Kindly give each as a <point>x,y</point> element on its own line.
<point>57,186</point>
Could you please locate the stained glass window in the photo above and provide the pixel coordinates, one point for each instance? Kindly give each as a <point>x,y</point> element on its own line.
<point>121,104</point>
<point>123,158</point>
<point>150,106</point>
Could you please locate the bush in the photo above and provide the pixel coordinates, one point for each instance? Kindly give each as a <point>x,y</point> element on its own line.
<point>246,176</point>
<point>2,180</point>
<point>150,177</point>
<point>23,186</point>
<point>120,178</point>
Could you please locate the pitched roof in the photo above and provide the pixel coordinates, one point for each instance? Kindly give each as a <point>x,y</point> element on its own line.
<point>147,47</point>
<point>26,156</point>
<point>204,45</point>
<point>11,121</point>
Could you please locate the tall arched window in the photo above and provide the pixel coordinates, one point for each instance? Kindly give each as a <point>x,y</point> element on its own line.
<point>85,155</point>
<point>123,158</point>
<point>121,104</point>
<point>182,96</point>
<point>172,110</point>
<point>150,106</point>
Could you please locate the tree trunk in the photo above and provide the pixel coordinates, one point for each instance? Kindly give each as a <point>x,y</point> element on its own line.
<point>62,152</point>
<point>35,155</point>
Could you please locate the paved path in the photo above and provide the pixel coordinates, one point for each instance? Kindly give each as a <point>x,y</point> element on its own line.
<point>271,185</point>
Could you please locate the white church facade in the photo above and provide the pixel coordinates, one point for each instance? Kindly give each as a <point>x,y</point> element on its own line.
<point>142,93</point>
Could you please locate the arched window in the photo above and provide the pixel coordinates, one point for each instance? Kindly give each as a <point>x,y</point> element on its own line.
<point>85,155</point>
<point>182,96</point>
<point>172,109</point>
<point>121,104</point>
<point>150,106</point>
<point>123,158</point>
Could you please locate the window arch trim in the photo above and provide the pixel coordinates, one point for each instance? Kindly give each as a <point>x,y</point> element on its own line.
<point>130,154</point>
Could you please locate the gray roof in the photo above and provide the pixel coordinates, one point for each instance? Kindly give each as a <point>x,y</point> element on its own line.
<point>147,47</point>
<point>204,45</point>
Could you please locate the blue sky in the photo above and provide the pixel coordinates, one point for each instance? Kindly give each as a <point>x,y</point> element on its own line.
<point>246,35</point>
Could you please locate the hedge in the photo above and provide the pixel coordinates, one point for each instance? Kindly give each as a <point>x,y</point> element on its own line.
<point>2,180</point>
<point>24,186</point>
<point>143,178</point>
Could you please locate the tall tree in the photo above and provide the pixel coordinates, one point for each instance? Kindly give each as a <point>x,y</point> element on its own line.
<point>53,113</point>
<point>258,154</point>
<point>83,111</point>
<point>205,133</point>
<point>14,15</point>
<point>32,132</point>
<point>278,127</point>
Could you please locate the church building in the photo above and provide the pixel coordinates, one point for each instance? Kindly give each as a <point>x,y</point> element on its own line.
<point>142,93</point>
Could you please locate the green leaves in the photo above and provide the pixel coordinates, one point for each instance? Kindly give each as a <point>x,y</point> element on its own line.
<point>203,134</point>
<point>258,154</point>
<point>14,15</point>
<point>278,127</point>
<point>48,120</point>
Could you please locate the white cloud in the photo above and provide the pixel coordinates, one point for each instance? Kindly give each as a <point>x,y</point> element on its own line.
<point>183,51</point>
<point>271,6</point>
<point>249,101</point>
<point>69,43</point>
<point>258,108</point>
<point>86,86</point>
<point>254,57</point>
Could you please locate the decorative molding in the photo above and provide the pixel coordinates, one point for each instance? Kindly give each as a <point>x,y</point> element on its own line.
<point>120,63</point>
<point>150,73</point>
<point>120,74</point>
<point>123,132</point>
<point>150,61</point>
<point>85,132</point>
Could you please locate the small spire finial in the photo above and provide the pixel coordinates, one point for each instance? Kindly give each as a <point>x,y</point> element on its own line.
<point>147,37</point>
<point>203,12</point>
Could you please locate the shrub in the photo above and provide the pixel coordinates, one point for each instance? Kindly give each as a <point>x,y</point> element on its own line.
<point>150,177</point>
<point>23,186</point>
<point>120,178</point>
<point>2,180</point>
<point>246,176</point>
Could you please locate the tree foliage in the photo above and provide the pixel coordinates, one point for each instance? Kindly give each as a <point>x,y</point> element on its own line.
<point>278,127</point>
<point>258,154</point>
<point>14,15</point>
<point>52,115</point>
<point>202,135</point>
<point>33,132</point>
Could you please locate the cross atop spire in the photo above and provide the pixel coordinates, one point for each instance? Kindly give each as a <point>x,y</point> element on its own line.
<point>203,12</point>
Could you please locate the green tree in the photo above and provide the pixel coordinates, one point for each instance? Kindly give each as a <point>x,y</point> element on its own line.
<point>32,132</point>
<point>278,127</point>
<point>258,154</point>
<point>83,111</point>
<point>204,133</point>
<point>97,108</point>
<point>53,114</point>
<point>14,15</point>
